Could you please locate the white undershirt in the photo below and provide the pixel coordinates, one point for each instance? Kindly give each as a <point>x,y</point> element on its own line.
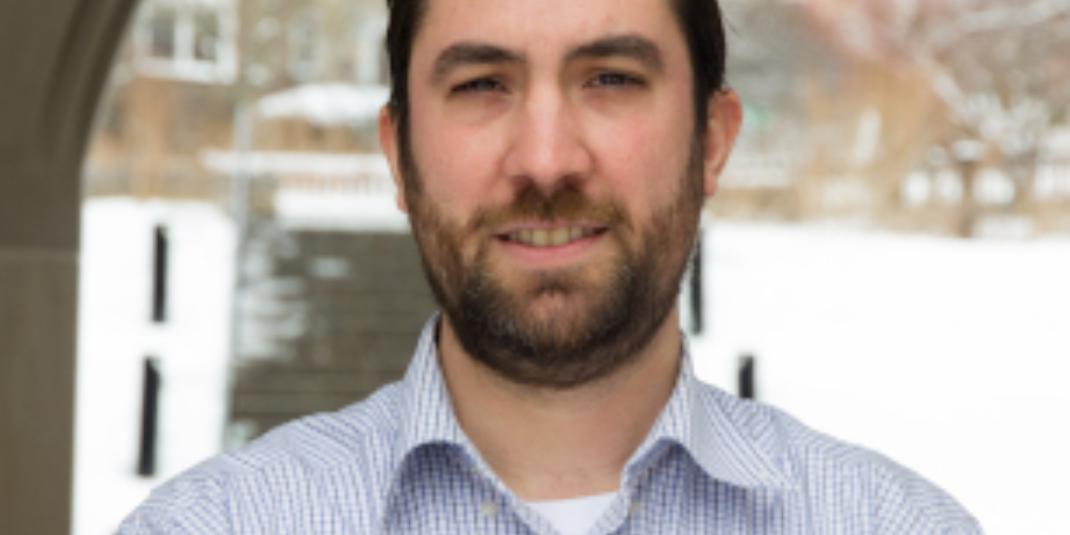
<point>574,516</point>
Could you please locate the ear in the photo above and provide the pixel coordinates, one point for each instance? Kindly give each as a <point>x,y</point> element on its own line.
<point>724,115</point>
<point>388,141</point>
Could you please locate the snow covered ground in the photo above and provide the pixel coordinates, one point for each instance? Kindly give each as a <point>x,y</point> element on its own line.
<point>952,357</point>
<point>949,356</point>
<point>116,335</point>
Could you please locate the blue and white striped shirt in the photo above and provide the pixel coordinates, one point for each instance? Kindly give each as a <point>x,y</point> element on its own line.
<point>398,462</point>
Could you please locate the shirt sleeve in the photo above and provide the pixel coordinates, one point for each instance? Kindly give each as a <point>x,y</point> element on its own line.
<point>187,505</point>
<point>909,504</point>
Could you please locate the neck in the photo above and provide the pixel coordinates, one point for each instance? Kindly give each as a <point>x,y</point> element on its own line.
<point>549,444</point>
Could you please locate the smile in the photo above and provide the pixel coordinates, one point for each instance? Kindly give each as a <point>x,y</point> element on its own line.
<point>550,237</point>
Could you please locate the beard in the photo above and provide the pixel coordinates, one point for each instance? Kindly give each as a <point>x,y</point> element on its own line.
<point>565,327</point>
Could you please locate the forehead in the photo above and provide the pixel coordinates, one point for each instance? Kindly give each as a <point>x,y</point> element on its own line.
<point>540,27</point>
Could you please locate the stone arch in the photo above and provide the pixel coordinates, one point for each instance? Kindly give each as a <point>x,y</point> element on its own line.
<point>54,58</point>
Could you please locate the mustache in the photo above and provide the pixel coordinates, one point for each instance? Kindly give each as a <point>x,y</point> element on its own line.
<point>563,204</point>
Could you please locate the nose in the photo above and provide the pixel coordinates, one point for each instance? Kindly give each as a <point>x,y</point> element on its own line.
<point>547,146</point>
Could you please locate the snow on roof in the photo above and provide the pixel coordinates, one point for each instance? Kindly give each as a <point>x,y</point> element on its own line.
<point>1057,141</point>
<point>326,104</point>
<point>305,210</point>
<point>358,195</point>
<point>295,162</point>
<point>197,3</point>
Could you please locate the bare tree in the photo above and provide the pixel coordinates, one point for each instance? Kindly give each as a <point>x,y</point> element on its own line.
<point>997,66</point>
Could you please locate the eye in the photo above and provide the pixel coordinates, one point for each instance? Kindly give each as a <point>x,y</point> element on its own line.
<point>478,85</point>
<point>615,79</point>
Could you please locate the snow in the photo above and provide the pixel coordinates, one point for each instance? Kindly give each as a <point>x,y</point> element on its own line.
<point>1056,143</point>
<point>329,191</point>
<point>339,211</point>
<point>329,104</point>
<point>949,356</point>
<point>115,335</point>
<point>198,3</point>
<point>916,189</point>
<point>1053,182</point>
<point>999,16</point>
<point>968,150</point>
<point>279,163</point>
<point>993,187</point>
<point>867,137</point>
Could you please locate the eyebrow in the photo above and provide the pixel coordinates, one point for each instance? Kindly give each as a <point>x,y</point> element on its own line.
<point>467,53</point>
<point>631,46</point>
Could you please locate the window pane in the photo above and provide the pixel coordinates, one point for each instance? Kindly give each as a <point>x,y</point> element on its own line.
<point>384,66</point>
<point>304,46</point>
<point>162,33</point>
<point>206,36</point>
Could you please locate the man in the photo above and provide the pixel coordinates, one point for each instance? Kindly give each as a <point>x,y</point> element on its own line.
<point>553,157</point>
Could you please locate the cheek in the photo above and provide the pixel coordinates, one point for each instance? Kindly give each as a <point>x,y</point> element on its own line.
<point>645,157</point>
<point>456,163</point>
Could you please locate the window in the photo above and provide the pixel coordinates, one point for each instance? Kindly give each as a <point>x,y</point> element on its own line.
<point>206,36</point>
<point>305,47</point>
<point>384,66</point>
<point>162,33</point>
<point>191,41</point>
<point>373,66</point>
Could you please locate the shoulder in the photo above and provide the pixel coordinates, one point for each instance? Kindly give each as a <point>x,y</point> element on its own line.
<point>299,466</point>
<point>835,478</point>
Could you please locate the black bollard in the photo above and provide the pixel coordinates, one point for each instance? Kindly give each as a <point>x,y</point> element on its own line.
<point>159,274</point>
<point>150,394</point>
<point>746,377</point>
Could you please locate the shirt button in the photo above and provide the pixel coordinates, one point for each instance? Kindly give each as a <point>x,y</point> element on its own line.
<point>489,509</point>
<point>634,507</point>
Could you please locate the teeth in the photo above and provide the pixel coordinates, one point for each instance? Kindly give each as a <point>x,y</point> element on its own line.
<point>549,237</point>
<point>559,236</point>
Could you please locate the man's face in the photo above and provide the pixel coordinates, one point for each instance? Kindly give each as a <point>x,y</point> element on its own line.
<point>554,177</point>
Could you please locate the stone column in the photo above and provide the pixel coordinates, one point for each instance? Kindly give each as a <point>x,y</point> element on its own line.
<point>54,56</point>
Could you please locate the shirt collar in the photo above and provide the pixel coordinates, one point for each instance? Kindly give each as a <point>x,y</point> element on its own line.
<point>708,423</point>
<point>718,431</point>
<point>427,415</point>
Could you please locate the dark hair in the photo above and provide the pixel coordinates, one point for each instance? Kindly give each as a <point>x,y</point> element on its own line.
<point>700,20</point>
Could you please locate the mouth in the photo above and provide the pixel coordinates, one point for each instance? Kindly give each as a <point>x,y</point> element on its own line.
<point>556,236</point>
<point>551,245</point>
